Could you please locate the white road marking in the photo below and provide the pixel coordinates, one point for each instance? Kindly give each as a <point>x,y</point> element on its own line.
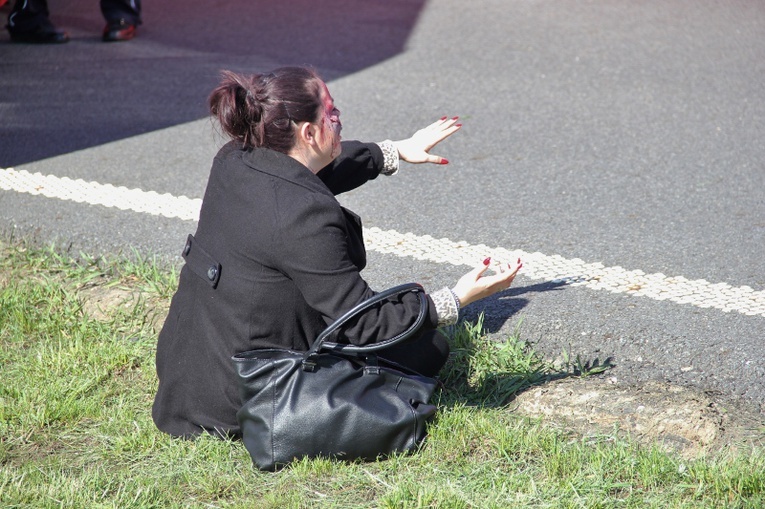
<point>93,193</point>
<point>536,266</point>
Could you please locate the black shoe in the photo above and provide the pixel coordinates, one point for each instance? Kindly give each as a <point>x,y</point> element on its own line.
<point>40,35</point>
<point>119,30</point>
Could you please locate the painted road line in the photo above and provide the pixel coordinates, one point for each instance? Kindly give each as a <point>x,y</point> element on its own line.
<point>93,193</point>
<point>574,272</point>
<point>536,266</point>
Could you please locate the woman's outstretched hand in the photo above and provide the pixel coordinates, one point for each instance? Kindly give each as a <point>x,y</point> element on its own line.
<point>476,285</point>
<point>417,148</point>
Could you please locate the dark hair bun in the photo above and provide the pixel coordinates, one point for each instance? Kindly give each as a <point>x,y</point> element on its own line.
<point>259,110</point>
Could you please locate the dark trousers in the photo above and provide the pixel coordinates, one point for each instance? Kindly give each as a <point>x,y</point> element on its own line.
<point>425,355</point>
<point>29,15</point>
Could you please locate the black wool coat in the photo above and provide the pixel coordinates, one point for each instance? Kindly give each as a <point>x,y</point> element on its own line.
<point>275,258</point>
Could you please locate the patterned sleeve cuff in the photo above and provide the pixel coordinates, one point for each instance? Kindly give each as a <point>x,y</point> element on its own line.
<point>447,306</point>
<point>390,157</point>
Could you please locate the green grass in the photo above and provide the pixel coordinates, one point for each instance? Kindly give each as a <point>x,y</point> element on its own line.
<point>76,431</point>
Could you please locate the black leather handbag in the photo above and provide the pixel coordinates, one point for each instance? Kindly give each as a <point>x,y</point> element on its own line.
<point>335,400</point>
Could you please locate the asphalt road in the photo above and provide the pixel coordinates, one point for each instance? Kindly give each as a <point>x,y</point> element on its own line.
<point>630,134</point>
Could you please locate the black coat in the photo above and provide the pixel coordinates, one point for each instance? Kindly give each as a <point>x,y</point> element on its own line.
<point>275,259</point>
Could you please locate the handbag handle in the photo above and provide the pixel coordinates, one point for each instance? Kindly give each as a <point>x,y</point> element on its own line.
<point>321,343</point>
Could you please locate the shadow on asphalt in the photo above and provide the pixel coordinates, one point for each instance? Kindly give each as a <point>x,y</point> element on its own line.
<point>61,98</point>
<point>501,307</point>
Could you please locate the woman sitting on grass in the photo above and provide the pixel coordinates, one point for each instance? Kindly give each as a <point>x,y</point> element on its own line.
<point>275,258</point>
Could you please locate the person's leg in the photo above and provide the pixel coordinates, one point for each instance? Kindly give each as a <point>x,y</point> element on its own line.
<point>29,21</point>
<point>27,15</point>
<point>122,18</point>
<point>425,355</point>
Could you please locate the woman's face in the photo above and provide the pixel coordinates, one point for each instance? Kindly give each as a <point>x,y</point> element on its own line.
<point>329,127</point>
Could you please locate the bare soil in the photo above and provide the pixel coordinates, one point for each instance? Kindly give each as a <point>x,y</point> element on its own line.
<point>685,420</point>
<point>100,301</point>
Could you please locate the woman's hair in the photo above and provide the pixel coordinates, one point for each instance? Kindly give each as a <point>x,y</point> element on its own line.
<point>259,110</point>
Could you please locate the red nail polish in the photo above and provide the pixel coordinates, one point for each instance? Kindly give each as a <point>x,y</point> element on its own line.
<point>458,125</point>
<point>455,118</point>
<point>444,161</point>
<point>443,118</point>
<point>487,261</point>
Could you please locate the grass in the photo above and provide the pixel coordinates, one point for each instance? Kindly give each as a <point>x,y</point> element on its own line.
<point>76,431</point>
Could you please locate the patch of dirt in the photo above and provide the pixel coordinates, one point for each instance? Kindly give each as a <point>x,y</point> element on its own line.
<point>100,302</point>
<point>687,421</point>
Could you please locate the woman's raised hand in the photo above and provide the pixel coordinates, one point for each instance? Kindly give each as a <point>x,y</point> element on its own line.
<point>417,148</point>
<point>476,284</point>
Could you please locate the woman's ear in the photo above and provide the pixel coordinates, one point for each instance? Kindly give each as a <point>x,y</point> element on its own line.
<point>307,133</point>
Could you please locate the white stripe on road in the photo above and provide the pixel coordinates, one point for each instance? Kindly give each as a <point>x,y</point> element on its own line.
<point>93,193</point>
<point>536,266</point>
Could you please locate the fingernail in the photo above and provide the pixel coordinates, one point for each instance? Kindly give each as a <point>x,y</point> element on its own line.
<point>458,125</point>
<point>443,118</point>
<point>455,118</point>
<point>444,161</point>
<point>487,261</point>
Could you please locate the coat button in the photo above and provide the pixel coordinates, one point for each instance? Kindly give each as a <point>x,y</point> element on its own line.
<point>212,272</point>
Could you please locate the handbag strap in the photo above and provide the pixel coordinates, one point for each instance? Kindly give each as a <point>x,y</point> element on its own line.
<point>322,344</point>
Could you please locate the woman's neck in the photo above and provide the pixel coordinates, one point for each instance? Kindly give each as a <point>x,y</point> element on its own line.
<point>305,161</point>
